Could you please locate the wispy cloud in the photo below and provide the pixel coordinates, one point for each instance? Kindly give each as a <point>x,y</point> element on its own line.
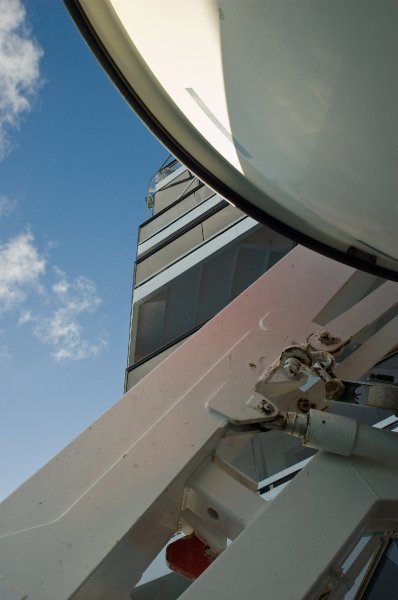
<point>21,266</point>
<point>7,205</point>
<point>62,330</point>
<point>56,312</point>
<point>19,68</point>
<point>26,317</point>
<point>54,306</point>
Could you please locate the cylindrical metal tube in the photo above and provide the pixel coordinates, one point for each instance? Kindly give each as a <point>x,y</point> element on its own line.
<point>342,435</point>
<point>331,432</point>
<point>376,443</point>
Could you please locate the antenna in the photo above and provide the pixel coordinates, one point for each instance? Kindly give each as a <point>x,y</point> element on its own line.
<point>286,110</point>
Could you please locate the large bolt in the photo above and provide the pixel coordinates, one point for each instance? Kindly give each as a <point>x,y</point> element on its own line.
<point>292,367</point>
<point>334,389</point>
<point>304,405</point>
<point>327,339</point>
<point>266,406</point>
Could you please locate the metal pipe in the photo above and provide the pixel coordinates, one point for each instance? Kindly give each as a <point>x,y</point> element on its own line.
<point>342,435</point>
<point>376,443</point>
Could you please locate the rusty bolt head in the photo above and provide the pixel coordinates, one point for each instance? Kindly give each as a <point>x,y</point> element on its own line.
<point>327,339</point>
<point>334,389</point>
<point>292,367</point>
<point>303,405</point>
<point>267,407</point>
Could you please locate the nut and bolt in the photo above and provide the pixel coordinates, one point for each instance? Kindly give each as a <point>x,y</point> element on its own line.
<point>326,338</point>
<point>334,389</point>
<point>304,405</point>
<point>267,407</point>
<point>292,367</point>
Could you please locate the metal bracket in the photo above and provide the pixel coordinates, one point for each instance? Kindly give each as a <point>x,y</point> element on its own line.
<point>256,410</point>
<point>375,394</point>
<point>298,362</point>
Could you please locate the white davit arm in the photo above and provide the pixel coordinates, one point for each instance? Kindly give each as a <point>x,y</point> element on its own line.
<point>88,524</point>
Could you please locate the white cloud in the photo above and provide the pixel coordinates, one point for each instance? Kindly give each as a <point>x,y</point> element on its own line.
<point>62,329</point>
<point>19,68</point>
<point>7,205</point>
<point>26,317</point>
<point>59,319</point>
<point>21,267</point>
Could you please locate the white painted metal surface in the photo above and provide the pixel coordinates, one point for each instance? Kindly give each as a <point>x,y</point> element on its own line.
<point>87,525</point>
<point>343,435</point>
<point>292,107</point>
<point>294,549</point>
<point>354,568</point>
<point>233,505</point>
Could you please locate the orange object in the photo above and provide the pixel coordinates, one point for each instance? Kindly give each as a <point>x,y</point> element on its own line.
<point>188,556</point>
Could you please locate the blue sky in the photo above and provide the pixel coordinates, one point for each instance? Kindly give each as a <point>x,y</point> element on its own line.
<point>74,169</point>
